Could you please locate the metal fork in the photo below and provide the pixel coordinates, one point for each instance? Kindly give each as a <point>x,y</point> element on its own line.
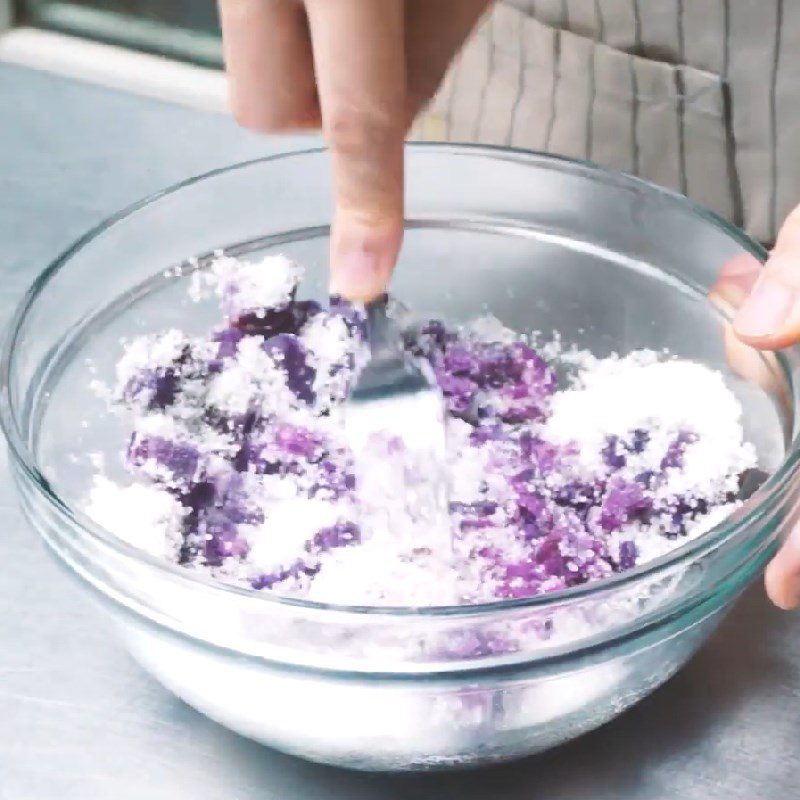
<point>396,396</point>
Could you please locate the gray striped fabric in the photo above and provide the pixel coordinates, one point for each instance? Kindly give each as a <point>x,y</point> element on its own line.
<point>701,96</point>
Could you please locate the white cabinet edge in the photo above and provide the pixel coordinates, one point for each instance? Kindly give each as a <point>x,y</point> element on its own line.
<point>114,67</point>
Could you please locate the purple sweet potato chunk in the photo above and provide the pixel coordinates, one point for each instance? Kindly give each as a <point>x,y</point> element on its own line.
<point>289,353</point>
<point>152,389</point>
<point>673,458</point>
<point>178,460</point>
<point>219,538</point>
<point>341,534</point>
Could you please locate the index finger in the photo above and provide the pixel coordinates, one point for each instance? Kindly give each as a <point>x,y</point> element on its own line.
<point>358,48</point>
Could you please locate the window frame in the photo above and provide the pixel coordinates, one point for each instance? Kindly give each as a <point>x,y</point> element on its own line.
<point>114,66</point>
<point>6,15</point>
<point>118,28</point>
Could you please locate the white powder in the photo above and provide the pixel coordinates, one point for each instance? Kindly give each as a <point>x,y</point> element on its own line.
<point>143,516</point>
<point>251,380</point>
<point>248,286</point>
<point>289,525</point>
<point>400,559</point>
<point>470,473</point>
<point>158,424</point>
<point>380,573</point>
<point>617,396</point>
<point>328,342</point>
<point>489,329</point>
<point>327,337</point>
<point>276,489</point>
<point>150,352</point>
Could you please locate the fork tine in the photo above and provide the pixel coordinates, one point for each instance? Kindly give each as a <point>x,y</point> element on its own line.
<point>396,396</point>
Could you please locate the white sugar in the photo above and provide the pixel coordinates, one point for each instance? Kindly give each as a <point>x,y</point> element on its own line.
<point>248,286</point>
<point>397,561</point>
<point>251,379</point>
<point>327,338</point>
<point>144,516</point>
<point>489,329</point>
<point>469,471</point>
<point>328,343</point>
<point>150,352</point>
<point>375,573</point>
<point>157,424</point>
<point>289,524</point>
<point>616,397</point>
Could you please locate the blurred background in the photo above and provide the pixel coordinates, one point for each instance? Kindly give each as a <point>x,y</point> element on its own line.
<point>184,29</point>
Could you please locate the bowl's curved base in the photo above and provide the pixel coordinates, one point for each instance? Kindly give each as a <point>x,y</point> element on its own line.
<point>368,724</point>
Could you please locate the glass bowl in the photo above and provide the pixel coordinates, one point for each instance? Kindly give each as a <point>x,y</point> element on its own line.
<point>611,262</point>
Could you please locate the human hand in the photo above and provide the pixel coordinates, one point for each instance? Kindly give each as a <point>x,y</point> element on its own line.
<point>361,70</point>
<point>767,303</point>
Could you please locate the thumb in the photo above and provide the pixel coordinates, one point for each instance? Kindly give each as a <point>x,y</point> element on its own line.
<point>769,318</point>
<point>360,66</point>
<point>782,576</point>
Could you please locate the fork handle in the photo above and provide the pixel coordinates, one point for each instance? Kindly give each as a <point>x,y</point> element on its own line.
<point>383,335</point>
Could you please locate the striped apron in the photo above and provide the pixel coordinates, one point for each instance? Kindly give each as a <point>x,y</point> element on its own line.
<point>701,96</point>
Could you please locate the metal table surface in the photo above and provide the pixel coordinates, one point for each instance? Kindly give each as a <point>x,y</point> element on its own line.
<point>80,721</point>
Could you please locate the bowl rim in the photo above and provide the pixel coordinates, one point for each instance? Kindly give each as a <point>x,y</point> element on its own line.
<point>24,458</point>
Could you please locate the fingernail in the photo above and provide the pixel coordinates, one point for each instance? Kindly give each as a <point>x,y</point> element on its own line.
<point>766,308</point>
<point>356,274</point>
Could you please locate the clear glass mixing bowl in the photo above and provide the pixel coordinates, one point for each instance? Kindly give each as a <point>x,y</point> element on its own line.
<point>611,262</point>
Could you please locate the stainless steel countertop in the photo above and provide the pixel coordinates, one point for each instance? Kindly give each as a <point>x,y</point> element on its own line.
<point>80,721</point>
